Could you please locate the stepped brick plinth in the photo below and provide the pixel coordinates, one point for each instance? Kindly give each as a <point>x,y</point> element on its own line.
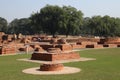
<point>51,67</point>
<point>46,56</point>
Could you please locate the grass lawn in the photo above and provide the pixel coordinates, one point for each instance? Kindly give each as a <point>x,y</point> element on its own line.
<point>105,67</point>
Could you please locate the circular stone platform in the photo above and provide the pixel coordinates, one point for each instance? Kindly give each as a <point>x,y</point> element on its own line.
<point>65,70</point>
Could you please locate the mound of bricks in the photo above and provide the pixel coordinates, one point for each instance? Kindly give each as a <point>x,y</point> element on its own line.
<point>51,67</point>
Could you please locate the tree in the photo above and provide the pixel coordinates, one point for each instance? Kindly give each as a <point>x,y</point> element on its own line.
<point>51,18</point>
<point>102,26</point>
<point>71,20</point>
<point>20,26</point>
<point>36,23</point>
<point>85,29</point>
<point>3,24</point>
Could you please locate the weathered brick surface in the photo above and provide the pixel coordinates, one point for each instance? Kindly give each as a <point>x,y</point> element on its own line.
<point>118,45</point>
<point>76,46</point>
<point>83,39</point>
<point>112,41</point>
<point>64,47</point>
<point>51,67</point>
<point>87,43</point>
<point>54,57</point>
<point>7,50</point>
<point>110,45</point>
<point>46,46</point>
<point>94,46</point>
<point>42,56</point>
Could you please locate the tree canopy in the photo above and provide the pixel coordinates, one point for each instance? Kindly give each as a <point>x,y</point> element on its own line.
<point>55,19</point>
<point>3,24</point>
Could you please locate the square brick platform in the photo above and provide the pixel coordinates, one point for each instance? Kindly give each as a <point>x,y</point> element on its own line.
<point>55,57</point>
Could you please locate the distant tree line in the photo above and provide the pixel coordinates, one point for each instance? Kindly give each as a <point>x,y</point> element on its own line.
<point>64,20</point>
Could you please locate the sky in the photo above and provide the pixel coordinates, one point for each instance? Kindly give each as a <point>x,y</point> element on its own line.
<point>11,9</point>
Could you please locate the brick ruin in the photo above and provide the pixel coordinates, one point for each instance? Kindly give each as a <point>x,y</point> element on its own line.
<point>56,52</point>
<point>95,43</point>
<point>11,44</point>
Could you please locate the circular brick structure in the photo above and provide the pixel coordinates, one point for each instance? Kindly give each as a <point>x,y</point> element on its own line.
<point>51,67</point>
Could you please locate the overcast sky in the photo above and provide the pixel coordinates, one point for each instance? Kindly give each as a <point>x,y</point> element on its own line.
<point>11,9</point>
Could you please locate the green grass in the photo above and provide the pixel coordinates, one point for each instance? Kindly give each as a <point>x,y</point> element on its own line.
<point>105,67</point>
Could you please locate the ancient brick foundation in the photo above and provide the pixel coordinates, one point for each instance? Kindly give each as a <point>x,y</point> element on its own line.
<point>94,46</point>
<point>7,50</point>
<point>112,40</point>
<point>51,67</point>
<point>55,57</point>
<point>76,46</point>
<point>64,47</point>
<point>110,45</point>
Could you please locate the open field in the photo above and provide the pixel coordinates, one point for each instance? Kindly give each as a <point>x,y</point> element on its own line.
<point>105,67</point>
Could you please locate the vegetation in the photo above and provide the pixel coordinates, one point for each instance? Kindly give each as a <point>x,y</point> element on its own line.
<point>3,24</point>
<point>101,26</point>
<point>64,20</point>
<point>105,67</point>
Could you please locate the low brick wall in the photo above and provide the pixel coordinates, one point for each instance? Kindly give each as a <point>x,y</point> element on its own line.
<point>75,46</point>
<point>73,40</point>
<point>86,43</point>
<point>64,47</point>
<point>110,45</point>
<point>112,40</point>
<point>46,46</point>
<point>54,57</point>
<point>94,46</point>
<point>7,50</point>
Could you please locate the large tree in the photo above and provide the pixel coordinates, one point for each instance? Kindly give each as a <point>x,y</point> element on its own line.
<point>102,26</point>
<point>71,20</point>
<point>36,23</point>
<point>51,18</point>
<point>20,26</point>
<point>3,24</point>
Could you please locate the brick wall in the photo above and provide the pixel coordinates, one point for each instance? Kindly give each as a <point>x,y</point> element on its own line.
<point>7,50</point>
